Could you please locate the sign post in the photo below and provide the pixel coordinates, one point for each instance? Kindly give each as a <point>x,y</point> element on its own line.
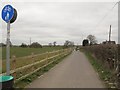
<point>8,14</point>
<point>8,49</point>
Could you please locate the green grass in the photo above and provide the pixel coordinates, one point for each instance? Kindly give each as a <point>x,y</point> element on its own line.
<point>0,53</point>
<point>21,84</point>
<point>104,73</point>
<point>21,52</point>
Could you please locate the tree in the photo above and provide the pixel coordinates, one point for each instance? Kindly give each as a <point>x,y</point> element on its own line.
<point>50,44</point>
<point>35,45</point>
<point>54,43</point>
<point>85,42</point>
<point>68,44</point>
<point>2,45</point>
<point>92,39</point>
<point>23,45</point>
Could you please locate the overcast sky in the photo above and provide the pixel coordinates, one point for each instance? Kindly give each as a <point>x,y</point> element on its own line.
<point>47,22</point>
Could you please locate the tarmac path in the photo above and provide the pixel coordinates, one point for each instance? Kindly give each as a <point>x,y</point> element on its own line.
<point>75,71</point>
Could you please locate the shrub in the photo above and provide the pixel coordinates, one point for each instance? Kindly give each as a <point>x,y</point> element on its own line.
<point>23,45</point>
<point>35,45</point>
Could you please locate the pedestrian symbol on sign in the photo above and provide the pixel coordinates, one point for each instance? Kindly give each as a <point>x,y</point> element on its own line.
<point>7,13</point>
<point>7,16</point>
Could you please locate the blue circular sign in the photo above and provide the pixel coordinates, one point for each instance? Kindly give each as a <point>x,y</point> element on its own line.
<point>7,13</point>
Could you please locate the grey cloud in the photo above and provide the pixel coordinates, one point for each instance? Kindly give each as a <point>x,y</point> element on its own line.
<point>47,22</point>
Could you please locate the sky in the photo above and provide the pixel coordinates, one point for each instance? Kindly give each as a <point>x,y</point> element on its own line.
<point>48,21</point>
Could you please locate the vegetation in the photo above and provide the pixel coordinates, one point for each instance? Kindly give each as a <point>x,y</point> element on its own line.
<point>0,53</point>
<point>41,63</point>
<point>104,73</point>
<point>23,45</point>
<point>2,45</point>
<point>21,84</point>
<point>54,43</point>
<point>68,44</point>
<point>21,52</point>
<point>105,60</point>
<point>50,44</point>
<point>92,39</point>
<point>35,45</point>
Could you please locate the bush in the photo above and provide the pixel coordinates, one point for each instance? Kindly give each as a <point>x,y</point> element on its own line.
<point>23,45</point>
<point>108,56</point>
<point>35,45</point>
<point>104,53</point>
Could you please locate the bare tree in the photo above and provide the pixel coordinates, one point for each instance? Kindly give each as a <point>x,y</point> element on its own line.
<point>68,43</point>
<point>92,39</point>
<point>54,43</point>
<point>50,44</point>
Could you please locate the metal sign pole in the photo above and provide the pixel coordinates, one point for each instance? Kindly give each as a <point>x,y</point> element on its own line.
<point>9,15</point>
<point>8,50</point>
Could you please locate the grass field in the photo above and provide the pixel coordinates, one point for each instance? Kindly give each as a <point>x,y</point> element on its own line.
<point>21,52</point>
<point>40,60</point>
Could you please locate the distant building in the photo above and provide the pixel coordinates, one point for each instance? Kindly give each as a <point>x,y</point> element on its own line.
<point>108,42</point>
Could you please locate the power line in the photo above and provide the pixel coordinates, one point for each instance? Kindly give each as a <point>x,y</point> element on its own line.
<point>106,14</point>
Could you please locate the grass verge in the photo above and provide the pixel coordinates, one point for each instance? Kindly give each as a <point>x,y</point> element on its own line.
<point>21,84</point>
<point>104,73</point>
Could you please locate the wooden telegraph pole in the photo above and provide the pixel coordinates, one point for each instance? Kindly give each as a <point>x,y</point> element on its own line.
<point>110,34</point>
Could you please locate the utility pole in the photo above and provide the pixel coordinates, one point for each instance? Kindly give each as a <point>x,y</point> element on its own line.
<point>110,34</point>
<point>30,40</point>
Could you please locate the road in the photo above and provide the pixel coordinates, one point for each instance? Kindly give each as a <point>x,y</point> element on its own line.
<point>74,71</point>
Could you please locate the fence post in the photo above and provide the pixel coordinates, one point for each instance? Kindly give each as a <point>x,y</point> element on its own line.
<point>60,53</point>
<point>118,75</point>
<point>118,67</point>
<point>65,52</point>
<point>32,56</point>
<point>47,54</point>
<point>14,66</point>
